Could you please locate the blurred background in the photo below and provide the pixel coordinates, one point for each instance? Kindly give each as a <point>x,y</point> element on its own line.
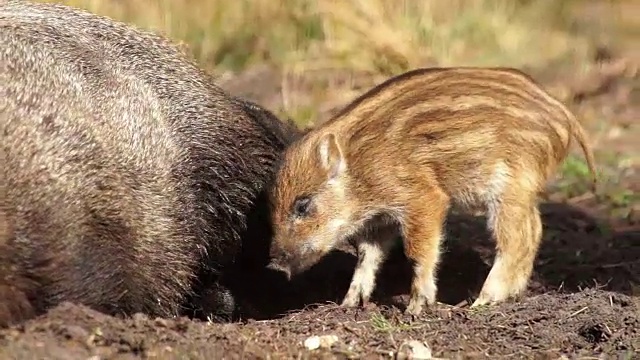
<point>338,46</point>
<point>305,59</point>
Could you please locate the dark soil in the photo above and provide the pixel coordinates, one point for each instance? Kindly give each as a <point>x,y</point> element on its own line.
<point>579,304</point>
<point>583,300</point>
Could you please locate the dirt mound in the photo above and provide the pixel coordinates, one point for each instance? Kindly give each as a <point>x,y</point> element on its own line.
<point>544,326</point>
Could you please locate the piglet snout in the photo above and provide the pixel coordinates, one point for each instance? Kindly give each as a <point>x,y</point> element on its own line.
<point>280,261</point>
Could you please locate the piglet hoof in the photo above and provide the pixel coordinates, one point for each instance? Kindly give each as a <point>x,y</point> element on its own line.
<point>482,302</point>
<point>414,308</point>
<point>478,303</point>
<point>350,301</point>
<point>484,299</point>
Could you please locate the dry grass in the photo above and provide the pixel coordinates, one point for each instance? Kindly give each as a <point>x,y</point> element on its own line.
<point>325,48</point>
<point>379,36</point>
<point>329,51</point>
<point>317,42</point>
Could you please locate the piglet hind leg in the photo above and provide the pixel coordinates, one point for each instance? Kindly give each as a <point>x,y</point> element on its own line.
<point>423,234</point>
<point>517,229</point>
<point>371,254</point>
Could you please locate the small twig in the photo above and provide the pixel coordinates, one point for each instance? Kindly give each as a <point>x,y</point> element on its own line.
<point>284,92</point>
<point>384,352</point>
<point>350,329</point>
<point>561,286</point>
<point>579,311</point>
<point>393,341</point>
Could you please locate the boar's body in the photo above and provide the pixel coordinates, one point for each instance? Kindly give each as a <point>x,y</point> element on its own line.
<point>126,172</point>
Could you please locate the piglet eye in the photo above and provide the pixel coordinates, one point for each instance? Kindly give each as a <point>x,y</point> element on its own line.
<point>302,206</point>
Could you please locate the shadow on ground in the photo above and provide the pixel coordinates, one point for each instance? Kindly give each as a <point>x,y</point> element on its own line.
<point>578,251</point>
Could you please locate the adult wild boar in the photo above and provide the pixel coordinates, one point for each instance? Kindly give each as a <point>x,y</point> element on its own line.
<point>127,173</point>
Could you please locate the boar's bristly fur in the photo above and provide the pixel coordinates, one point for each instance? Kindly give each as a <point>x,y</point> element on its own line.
<point>211,290</point>
<point>126,172</point>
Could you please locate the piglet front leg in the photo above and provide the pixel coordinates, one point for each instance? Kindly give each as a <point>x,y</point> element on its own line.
<point>371,254</point>
<point>423,235</point>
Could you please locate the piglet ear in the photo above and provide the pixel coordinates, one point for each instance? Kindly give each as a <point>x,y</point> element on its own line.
<point>331,156</point>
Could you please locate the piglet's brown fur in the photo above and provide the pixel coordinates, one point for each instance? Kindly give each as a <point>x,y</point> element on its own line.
<point>400,156</point>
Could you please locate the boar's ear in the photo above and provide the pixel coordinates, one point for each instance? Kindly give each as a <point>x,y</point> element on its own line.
<point>331,156</point>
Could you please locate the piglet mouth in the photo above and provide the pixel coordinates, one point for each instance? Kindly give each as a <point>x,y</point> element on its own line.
<point>280,266</point>
<point>291,266</point>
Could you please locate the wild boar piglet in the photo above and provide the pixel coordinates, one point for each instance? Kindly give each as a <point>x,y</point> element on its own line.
<point>396,159</point>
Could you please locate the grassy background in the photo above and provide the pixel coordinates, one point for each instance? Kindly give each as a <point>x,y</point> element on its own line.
<point>383,36</point>
<point>378,38</point>
<point>318,51</point>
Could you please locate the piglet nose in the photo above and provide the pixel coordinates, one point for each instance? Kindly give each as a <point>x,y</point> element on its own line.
<point>280,262</point>
<point>276,252</point>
